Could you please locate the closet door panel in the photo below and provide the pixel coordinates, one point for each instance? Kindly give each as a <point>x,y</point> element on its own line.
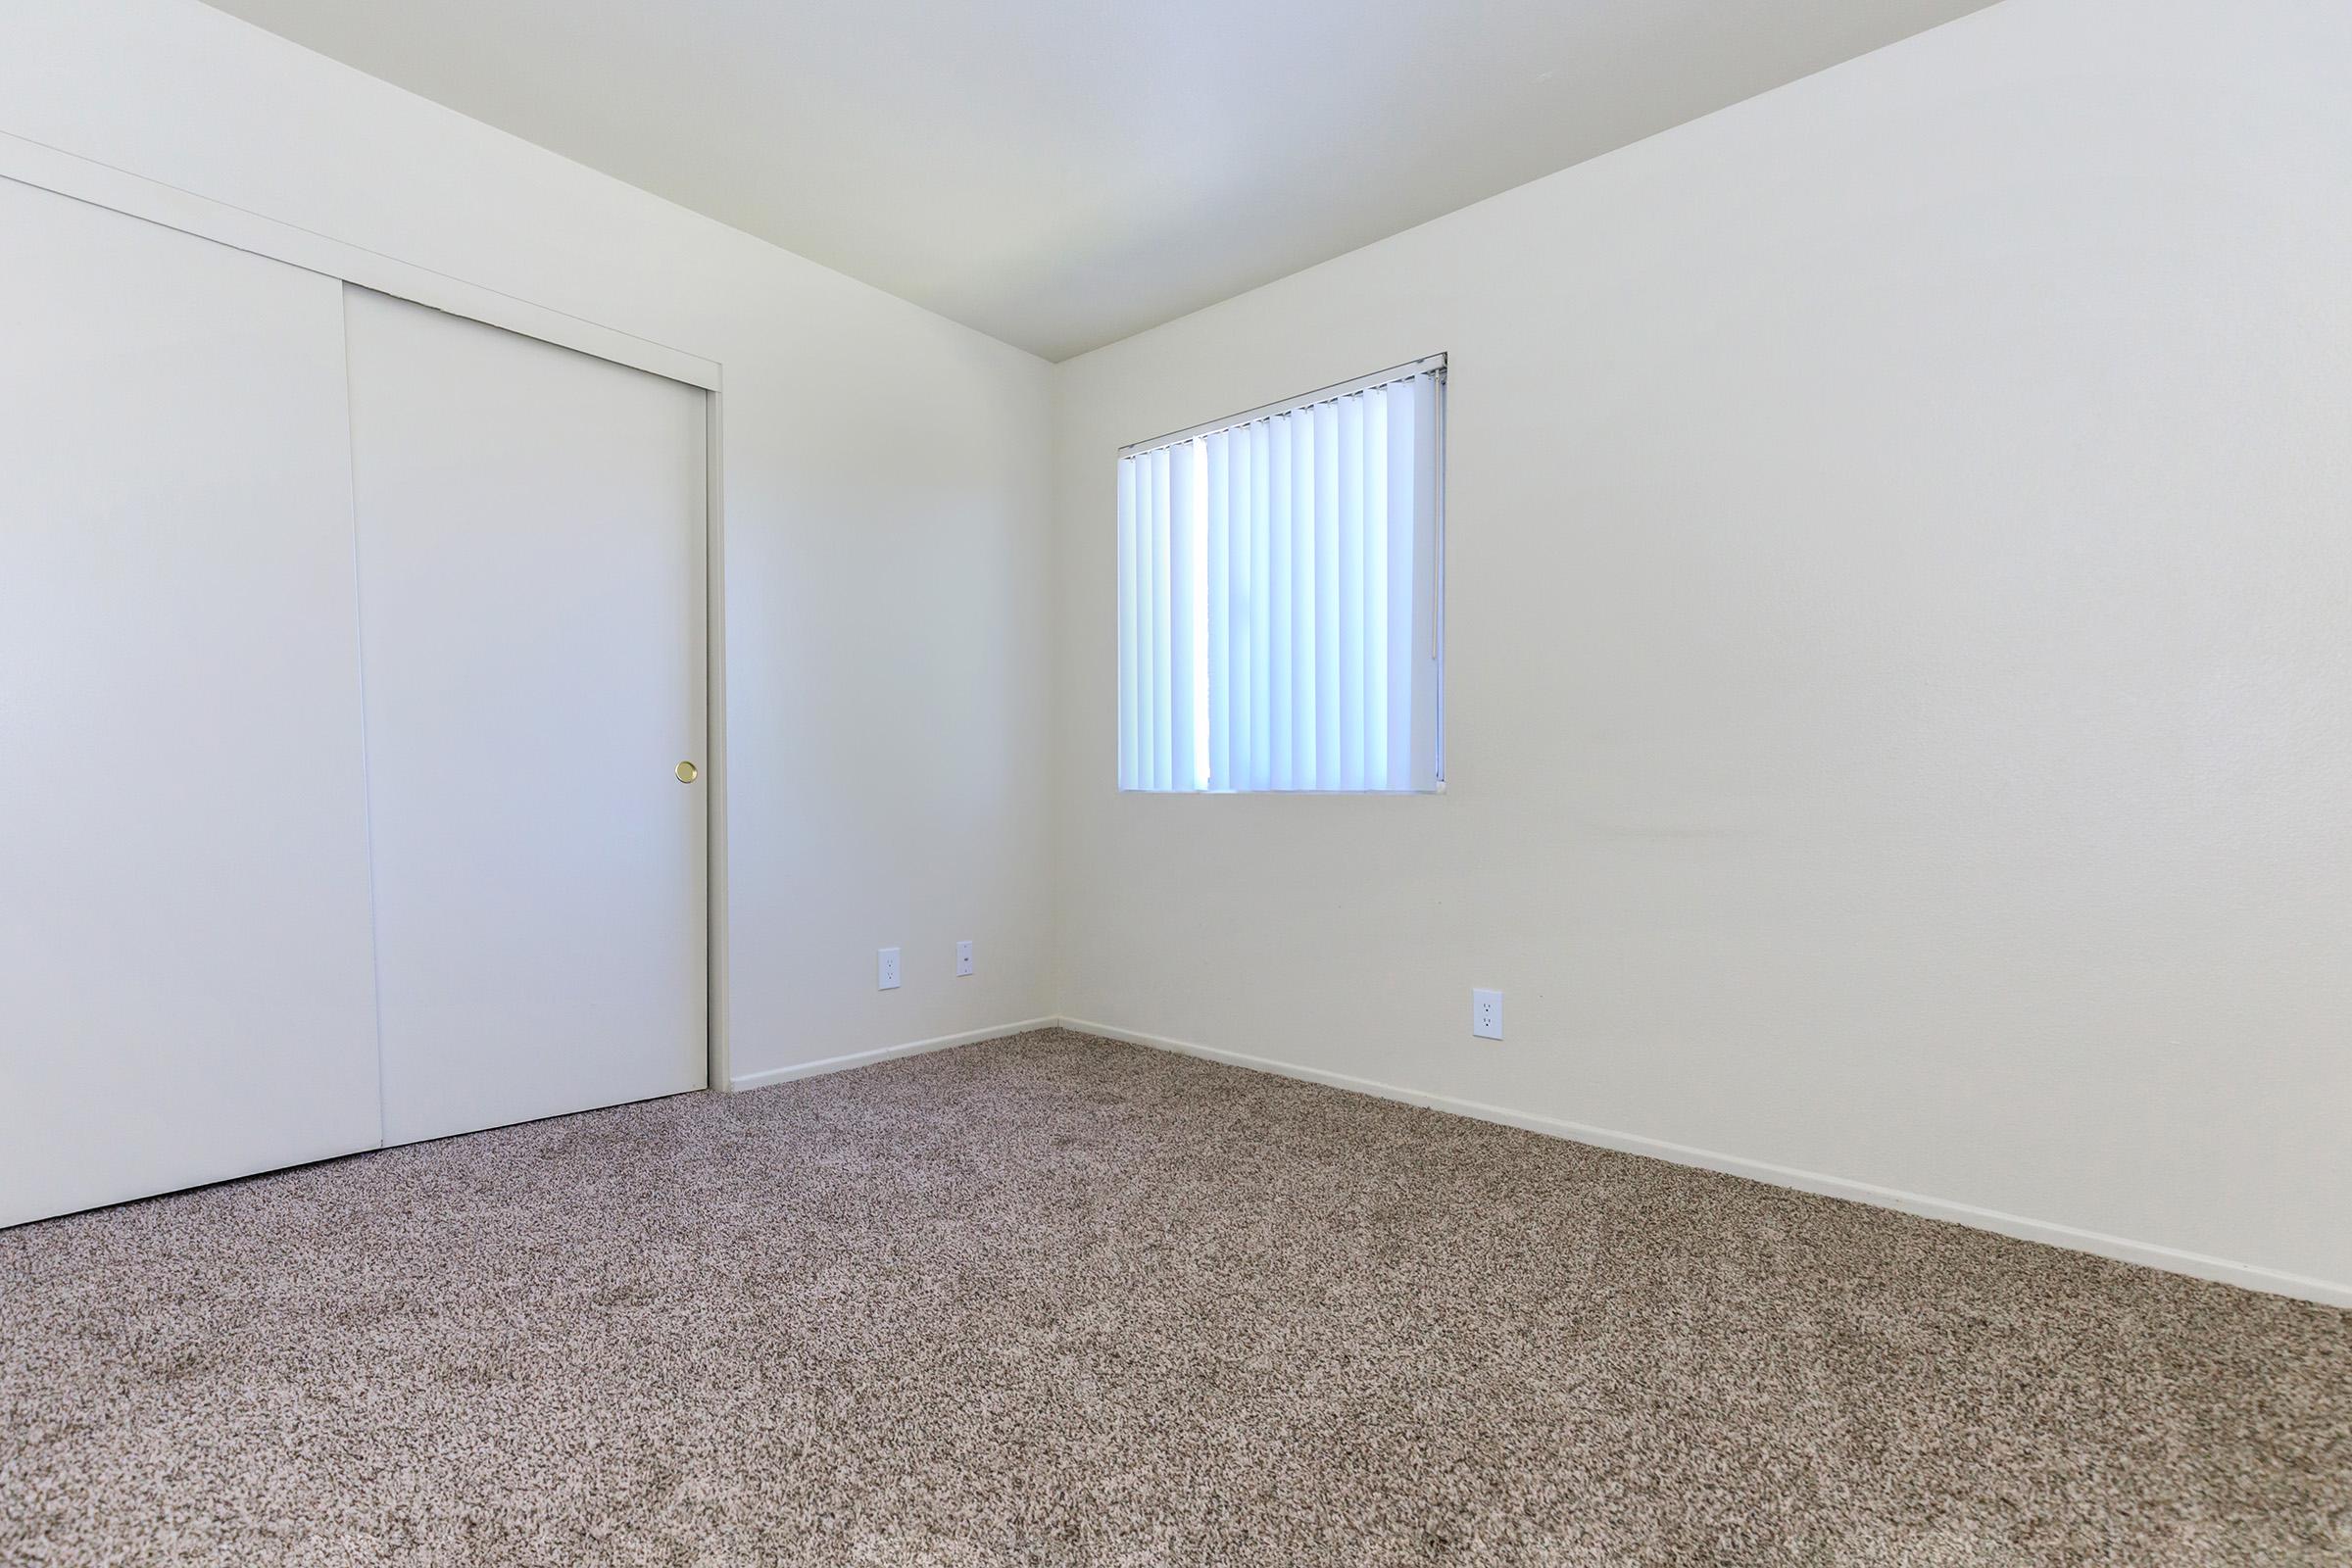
<point>185,971</point>
<point>531,590</point>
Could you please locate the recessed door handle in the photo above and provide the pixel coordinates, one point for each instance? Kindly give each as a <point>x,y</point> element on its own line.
<point>687,773</point>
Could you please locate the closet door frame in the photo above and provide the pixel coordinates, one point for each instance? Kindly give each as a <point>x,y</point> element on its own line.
<point>63,174</point>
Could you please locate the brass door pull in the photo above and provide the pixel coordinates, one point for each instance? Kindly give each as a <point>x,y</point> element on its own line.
<point>687,773</point>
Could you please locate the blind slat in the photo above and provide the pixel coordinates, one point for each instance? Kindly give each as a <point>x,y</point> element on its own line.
<point>1241,727</point>
<point>1306,648</point>
<point>1185,639</point>
<point>1261,631</point>
<point>1282,604</point>
<point>1328,764</point>
<point>1349,666</point>
<point>1159,714</point>
<point>1402,575</point>
<point>1217,502</point>
<point>1375,606</point>
<point>1130,778</point>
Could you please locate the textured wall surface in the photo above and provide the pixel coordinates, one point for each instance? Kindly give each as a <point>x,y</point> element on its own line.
<point>1899,688</point>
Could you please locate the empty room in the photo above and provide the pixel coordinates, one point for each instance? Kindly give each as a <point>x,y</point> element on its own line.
<point>1556,782</point>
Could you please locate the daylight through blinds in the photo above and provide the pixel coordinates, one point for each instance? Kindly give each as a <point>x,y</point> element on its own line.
<point>1278,598</point>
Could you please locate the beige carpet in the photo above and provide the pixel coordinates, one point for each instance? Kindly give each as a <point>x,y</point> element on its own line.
<point>1055,1300</point>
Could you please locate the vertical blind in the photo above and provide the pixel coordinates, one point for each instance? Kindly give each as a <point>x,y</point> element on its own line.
<point>1278,596</point>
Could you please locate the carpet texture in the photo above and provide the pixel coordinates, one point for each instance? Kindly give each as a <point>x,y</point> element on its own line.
<point>1055,1301</point>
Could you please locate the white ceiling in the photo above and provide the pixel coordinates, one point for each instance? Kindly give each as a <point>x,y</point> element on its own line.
<point>1060,174</point>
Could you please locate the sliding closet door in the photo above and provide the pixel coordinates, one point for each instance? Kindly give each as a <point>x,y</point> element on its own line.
<point>530,551</point>
<point>185,987</point>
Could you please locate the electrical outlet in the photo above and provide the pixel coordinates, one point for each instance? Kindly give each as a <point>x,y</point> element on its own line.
<point>963,957</point>
<point>1486,1014</point>
<point>886,969</point>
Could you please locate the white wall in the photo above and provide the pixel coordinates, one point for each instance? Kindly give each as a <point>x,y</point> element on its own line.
<point>1901,645</point>
<point>885,496</point>
<point>1900,678</point>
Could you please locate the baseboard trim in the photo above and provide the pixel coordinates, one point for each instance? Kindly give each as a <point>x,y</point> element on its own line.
<point>2123,1249</point>
<point>867,1059</point>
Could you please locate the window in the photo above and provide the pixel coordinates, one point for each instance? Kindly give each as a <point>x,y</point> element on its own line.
<point>1279,595</point>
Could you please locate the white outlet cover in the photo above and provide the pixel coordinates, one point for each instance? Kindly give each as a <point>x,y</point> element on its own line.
<point>886,969</point>
<point>1486,1014</point>
<point>963,957</point>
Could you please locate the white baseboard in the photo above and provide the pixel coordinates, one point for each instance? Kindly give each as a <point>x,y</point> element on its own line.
<point>2147,1254</point>
<point>867,1059</point>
